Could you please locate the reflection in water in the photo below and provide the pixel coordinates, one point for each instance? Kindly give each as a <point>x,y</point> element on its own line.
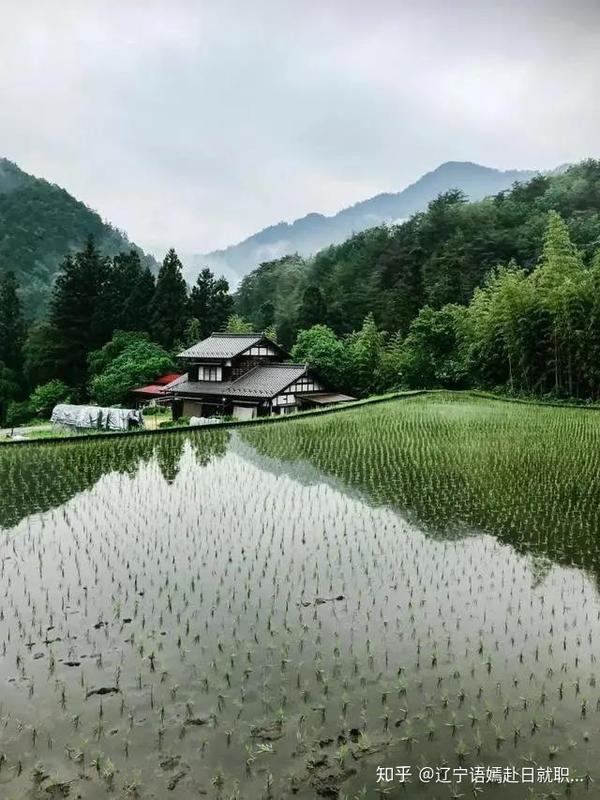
<point>527,474</point>
<point>206,620</point>
<point>35,478</point>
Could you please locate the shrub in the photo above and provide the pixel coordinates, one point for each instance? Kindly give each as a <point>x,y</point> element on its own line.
<point>18,414</point>
<point>175,423</point>
<point>45,397</point>
<point>139,361</point>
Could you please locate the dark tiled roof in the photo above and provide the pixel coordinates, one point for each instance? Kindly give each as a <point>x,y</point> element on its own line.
<point>222,345</point>
<point>219,388</point>
<point>267,380</point>
<point>261,382</point>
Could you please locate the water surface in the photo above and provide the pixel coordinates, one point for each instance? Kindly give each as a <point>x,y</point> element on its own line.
<point>279,611</point>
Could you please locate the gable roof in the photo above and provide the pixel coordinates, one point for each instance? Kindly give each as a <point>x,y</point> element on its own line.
<point>224,345</point>
<point>267,380</point>
<point>264,381</point>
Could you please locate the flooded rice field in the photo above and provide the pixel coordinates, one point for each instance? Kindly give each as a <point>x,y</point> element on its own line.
<point>326,607</point>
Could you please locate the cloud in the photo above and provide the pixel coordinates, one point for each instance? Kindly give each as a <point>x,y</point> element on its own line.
<point>194,124</point>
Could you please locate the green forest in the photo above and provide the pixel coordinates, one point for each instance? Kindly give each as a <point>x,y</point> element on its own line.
<point>110,326</point>
<point>501,294</point>
<point>39,224</point>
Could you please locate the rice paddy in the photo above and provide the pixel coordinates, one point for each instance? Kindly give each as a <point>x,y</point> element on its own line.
<point>277,611</point>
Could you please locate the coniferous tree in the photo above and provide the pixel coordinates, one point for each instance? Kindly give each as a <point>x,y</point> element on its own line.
<point>193,333</point>
<point>12,324</point>
<point>9,389</point>
<point>38,357</point>
<point>131,290</point>
<point>312,310</point>
<point>210,303</point>
<point>78,317</point>
<point>286,333</point>
<point>169,307</point>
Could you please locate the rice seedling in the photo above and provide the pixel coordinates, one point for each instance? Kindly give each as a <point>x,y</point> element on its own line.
<point>381,586</point>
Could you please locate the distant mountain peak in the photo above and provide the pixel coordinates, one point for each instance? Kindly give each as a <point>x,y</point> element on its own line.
<point>306,235</point>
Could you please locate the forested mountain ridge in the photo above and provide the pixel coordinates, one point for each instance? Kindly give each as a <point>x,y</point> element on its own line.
<point>40,223</point>
<point>436,257</point>
<point>313,232</point>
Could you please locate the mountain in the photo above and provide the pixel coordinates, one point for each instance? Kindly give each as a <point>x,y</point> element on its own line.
<point>435,258</point>
<point>315,231</point>
<point>39,224</point>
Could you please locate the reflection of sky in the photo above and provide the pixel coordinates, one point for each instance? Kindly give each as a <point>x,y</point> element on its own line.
<point>234,549</point>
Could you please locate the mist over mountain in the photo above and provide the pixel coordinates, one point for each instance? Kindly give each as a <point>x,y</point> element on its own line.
<point>39,224</point>
<point>311,233</point>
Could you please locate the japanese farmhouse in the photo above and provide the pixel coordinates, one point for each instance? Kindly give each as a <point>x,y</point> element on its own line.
<point>243,375</point>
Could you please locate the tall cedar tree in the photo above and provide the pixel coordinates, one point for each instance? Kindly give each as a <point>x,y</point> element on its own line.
<point>312,310</point>
<point>130,293</point>
<point>210,303</point>
<point>169,307</point>
<point>78,316</point>
<point>12,324</point>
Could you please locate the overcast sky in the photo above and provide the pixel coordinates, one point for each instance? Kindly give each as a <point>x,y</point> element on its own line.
<point>195,124</point>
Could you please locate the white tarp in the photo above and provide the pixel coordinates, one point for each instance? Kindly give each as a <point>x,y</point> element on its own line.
<point>244,412</point>
<point>204,421</point>
<point>95,417</point>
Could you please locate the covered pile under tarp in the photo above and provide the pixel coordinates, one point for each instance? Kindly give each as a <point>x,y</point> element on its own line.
<point>204,421</point>
<point>96,418</point>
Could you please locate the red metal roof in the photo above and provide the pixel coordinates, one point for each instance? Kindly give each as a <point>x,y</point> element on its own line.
<point>150,391</point>
<point>168,378</point>
<point>157,388</point>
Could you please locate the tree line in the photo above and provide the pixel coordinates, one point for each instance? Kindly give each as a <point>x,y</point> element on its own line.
<point>528,333</point>
<point>436,257</point>
<point>111,324</point>
<point>501,294</point>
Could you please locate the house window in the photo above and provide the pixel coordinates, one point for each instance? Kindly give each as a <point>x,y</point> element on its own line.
<point>209,373</point>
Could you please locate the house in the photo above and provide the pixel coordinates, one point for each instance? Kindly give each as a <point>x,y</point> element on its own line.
<point>244,375</point>
<point>156,391</point>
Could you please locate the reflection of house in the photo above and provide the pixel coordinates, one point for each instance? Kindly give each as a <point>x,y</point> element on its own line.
<point>243,374</point>
<point>146,395</point>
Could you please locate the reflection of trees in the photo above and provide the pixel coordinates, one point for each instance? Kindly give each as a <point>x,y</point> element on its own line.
<point>452,469</point>
<point>205,445</point>
<point>168,451</point>
<point>35,478</point>
<point>208,444</point>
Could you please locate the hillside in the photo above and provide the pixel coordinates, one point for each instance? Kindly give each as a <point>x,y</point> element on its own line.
<point>311,233</point>
<point>436,257</point>
<point>39,224</point>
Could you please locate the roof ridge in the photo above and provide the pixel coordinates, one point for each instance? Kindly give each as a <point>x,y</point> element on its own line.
<point>223,334</point>
<point>280,364</point>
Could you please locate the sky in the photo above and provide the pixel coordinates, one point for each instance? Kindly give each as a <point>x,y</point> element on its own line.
<point>195,123</point>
